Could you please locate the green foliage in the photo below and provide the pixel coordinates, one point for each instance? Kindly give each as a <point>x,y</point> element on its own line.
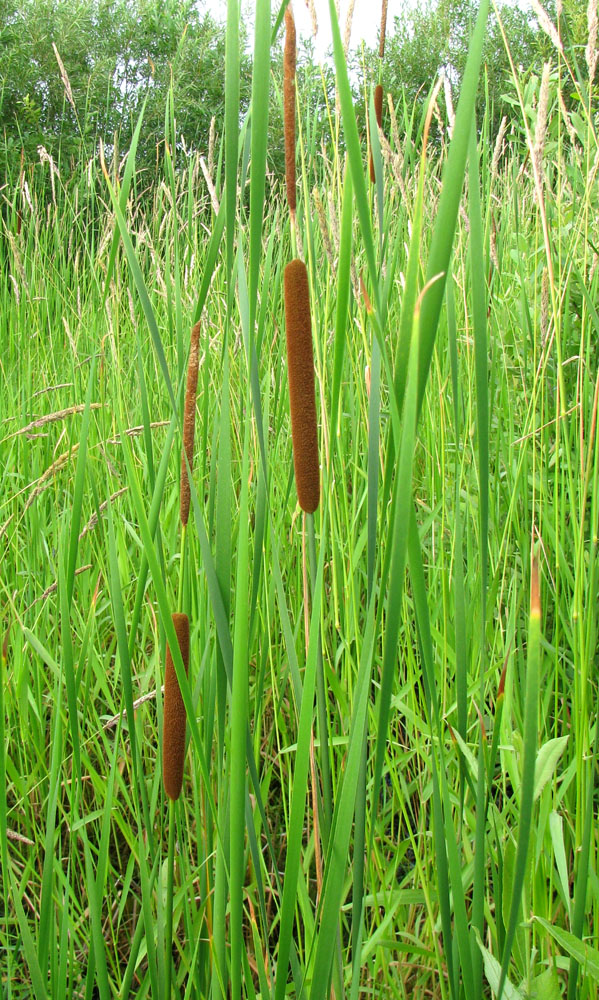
<point>445,719</point>
<point>430,37</point>
<point>116,54</point>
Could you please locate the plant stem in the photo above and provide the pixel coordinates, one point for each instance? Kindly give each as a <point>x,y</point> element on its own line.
<point>169,897</point>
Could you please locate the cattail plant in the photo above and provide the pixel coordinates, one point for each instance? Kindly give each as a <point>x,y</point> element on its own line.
<point>378,93</point>
<point>173,737</point>
<point>189,419</point>
<point>174,721</point>
<point>302,401</point>
<point>289,58</point>
<point>378,110</point>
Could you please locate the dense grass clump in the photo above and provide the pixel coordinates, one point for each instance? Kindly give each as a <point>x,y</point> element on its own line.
<point>389,718</point>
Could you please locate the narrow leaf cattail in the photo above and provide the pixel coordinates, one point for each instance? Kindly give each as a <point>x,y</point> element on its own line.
<point>378,110</point>
<point>289,57</point>
<point>189,420</point>
<point>302,401</point>
<point>173,730</point>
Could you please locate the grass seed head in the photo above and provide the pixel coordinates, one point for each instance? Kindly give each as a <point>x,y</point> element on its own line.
<point>302,401</point>
<point>189,420</point>
<point>173,730</point>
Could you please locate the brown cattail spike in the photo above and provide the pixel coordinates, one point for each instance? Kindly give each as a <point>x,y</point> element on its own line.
<point>173,730</point>
<point>289,105</point>
<point>189,420</point>
<point>383,30</point>
<point>378,110</point>
<point>378,104</point>
<point>300,370</point>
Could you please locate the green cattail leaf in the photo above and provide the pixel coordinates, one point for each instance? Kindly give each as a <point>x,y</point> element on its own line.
<point>142,291</point>
<point>354,152</point>
<point>447,213</point>
<point>37,980</point>
<point>343,292</point>
<point>299,790</point>
<point>123,197</point>
<point>336,860</point>
<point>232,87</point>
<point>528,770</point>
<point>239,723</point>
<point>259,122</point>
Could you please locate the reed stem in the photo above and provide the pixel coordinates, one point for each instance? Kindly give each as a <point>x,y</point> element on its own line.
<point>323,730</point>
<point>182,568</point>
<point>169,896</point>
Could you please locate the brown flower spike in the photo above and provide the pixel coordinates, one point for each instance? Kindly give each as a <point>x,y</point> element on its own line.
<point>378,110</point>
<point>173,730</point>
<point>289,56</point>
<point>189,420</point>
<point>300,371</point>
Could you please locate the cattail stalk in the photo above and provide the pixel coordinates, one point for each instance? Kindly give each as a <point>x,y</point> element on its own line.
<point>189,420</point>
<point>302,401</point>
<point>173,757</point>
<point>289,59</point>
<point>383,30</point>
<point>173,736</point>
<point>378,93</point>
<point>378,111</point>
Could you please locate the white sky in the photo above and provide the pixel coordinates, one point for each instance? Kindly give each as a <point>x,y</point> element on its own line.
<point>365,23</point>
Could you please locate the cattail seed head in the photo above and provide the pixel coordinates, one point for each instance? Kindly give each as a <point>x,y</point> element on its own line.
<point>189,420</point>
<point>173,730</point>
<point>289,57</point>
<point>383,29</point>
<point>302,400</point>
<point>378,104</point>
<point>378,110</point>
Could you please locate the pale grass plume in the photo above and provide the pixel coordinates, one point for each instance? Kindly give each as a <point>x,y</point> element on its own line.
<point>54,586</point>
<point>46,478</point>
<point>211,189</point>
<point>566,119</point>
<point>138,430</point>
<point>65,79</point>
<point>590,51</point>
<point>93,521</point>
<point>324,229</point>
<point>544,306</point>
<point>493,244</point>
<point>16,255</point>
<point>448,104</point>
<point>348,26</point>
<point>211,145</point>
<point>50,418</point>
<point>547,25</point>
<point>541,122</point>
<point>313,18</point>
<point>45,157</point>
<point>498,148</point>
<point>333,220</point>
<point>70,337</point>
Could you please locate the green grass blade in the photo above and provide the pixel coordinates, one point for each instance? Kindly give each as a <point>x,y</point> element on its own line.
<point>231,125</point>
<point>531,708</point>
<point>447,213</point>
<point>239,721</point>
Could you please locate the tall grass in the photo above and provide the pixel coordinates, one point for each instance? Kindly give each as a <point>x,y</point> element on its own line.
<point>438,836</point>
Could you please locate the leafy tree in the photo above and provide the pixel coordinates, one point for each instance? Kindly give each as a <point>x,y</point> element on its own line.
<point>429,38</point>
<point>115,54</point>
